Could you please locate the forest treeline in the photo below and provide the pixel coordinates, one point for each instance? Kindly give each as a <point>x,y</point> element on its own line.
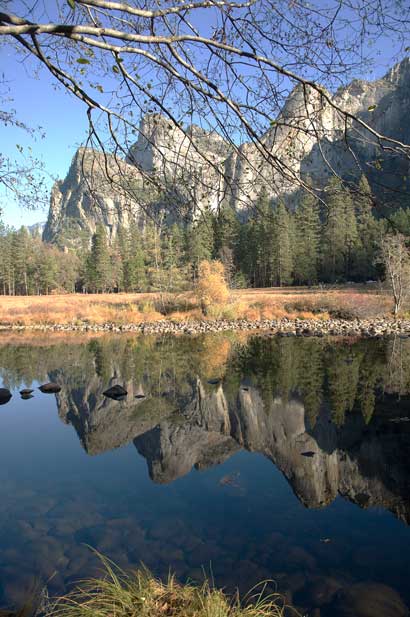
<point>336,242</point>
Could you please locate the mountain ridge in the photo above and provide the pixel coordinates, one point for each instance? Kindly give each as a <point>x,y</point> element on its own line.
<point>182,173</point>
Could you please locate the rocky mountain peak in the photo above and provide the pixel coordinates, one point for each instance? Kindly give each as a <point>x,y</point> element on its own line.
<point>201,169</point>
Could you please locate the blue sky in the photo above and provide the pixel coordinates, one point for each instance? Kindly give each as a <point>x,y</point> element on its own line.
<point>39,103</point>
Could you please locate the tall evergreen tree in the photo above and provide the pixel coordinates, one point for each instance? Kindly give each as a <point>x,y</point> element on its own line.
<point>351,236</point>
<point>334,250</point>
<point>226,237</point>
<point>307,240</point>
<point>153,254</point>
<point>99,265</point>
<point>173,258</point>
<point>200,239</point>
<point>226,229</point>
<point>263,240</point>
<point>135,272</point>
<point>282,246</point>
<point>368,232</point>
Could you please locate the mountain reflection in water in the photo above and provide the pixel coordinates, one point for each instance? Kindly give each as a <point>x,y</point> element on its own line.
<point>331,416</point>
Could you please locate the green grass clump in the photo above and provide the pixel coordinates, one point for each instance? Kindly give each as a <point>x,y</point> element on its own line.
<point>140,594</point>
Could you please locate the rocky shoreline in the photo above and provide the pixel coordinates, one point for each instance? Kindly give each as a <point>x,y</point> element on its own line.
<point>374,328</point>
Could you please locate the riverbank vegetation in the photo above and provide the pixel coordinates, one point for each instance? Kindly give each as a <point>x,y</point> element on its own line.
<point>142,595</point>
<point>139,594</point>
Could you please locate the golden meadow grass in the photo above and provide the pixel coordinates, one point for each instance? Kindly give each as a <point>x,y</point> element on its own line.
<point>252,304</point>
<point>140,594</point>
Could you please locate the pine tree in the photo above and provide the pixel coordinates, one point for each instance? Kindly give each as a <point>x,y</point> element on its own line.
<point>226,237</point>
<point>20,249</point>
<point>307,239</point>
<point>245,253</point>
<point>263,240</point>
<point>153,254</point>
<point>119,259</point>
<point>135,272</point>
<point>282,247</point>
<point>351,237</point>
<point>99,265</point>
<point>334,249</point>
<point>173,258</point>
<point>6,260</point>
<point>200,241</point>
<point>368,232</point>
<point>226,229</point>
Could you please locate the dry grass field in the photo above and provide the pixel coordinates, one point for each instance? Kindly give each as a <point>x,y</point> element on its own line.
<point>253,304</point>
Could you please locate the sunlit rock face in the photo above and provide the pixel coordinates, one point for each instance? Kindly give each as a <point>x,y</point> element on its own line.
<point>90,195</point>
<point>187,163</point>
<point>197,169</point>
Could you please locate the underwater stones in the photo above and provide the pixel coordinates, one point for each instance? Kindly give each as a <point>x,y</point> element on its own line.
<point>17,586</point>
<point>5,396</point>
<point>298,556</point>
<point>320,590</point>
<point>367,600</point>
<point>50,388</point>
<point>117,392</point>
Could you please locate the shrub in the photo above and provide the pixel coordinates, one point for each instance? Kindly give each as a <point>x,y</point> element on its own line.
<point>211,287</point>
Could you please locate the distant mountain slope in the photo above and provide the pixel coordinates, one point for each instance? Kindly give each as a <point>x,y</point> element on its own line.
<point>36,229</point>
<point>180,174</point>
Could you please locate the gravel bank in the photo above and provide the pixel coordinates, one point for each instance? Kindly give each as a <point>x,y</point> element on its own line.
<point>284,327</point>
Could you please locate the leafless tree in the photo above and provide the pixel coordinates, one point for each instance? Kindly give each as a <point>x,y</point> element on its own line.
<point>226,66</point>
<point>395,257</point>
<point>23,177</point>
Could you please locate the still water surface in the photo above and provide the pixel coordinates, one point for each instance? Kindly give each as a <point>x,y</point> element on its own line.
<point>249,458</point>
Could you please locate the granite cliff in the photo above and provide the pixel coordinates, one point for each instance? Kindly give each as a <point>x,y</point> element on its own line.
<point>181,172</point>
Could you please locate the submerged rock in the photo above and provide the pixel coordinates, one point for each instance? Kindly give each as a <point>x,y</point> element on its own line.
<point>116,392</point>
<point>367,600</point>
<point>26,391</point>
<point>5,396</point>
<point>26,397</point>
<point>50,388</point>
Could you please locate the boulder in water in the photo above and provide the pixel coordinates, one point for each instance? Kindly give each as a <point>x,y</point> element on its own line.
<point>5,396</point>
<point>50,388</point>
<point>116,392</point>
<point>26,392</point>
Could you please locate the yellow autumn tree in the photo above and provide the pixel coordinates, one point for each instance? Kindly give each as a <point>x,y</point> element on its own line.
<point>211,287</point>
